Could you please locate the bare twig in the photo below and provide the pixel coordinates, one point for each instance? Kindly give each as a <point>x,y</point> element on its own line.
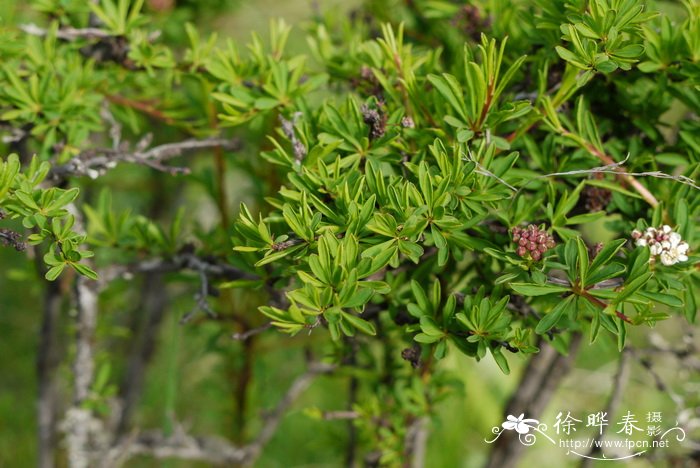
<point>483,171</point>
<point>115,128</point>
<point>290,133</point>
<point>273,419</point>
<point>609,169</point>
<point>612,167</point>
<point>80,425</point>
<point>16,134</point>
<point>83,431</point>
<point>540,380</point>
<point>206,268</point>
<point>416,443</point>
<point>618,388</point>
<point>211,449</point>
<point>340,415</point>
<point>67,33</point>
<point>213,267</point>
<point>47,363</point>
<point>243,336</point>
<point>95,162</point>
<point>13,239</point>
<point>148,316</point>
<point>200,297</point>
<point>178,445</point>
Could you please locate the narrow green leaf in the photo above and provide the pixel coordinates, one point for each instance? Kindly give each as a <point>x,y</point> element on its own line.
<point>531,289</point>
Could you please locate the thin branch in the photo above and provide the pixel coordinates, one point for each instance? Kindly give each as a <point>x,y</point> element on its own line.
<point>243,336</point>
<point>290,133</point>
<point>213,449</point>
<point>206,268</point>
<point>618,387</point>
<point>67,33</point>
<point>200,298</point>
<point>539,382</point>
<point>273,419</point>
<point>178,445</point>
<point>115,128</point>
<point>616,168</point>
<point>212,266</point>
<point>416,443</point>
<point>483,171</point>
<point>80,424</point>
<point>12,239</point>
<point>82,429</point>
<point>342,415</point>
<point>48,358</point>
<point>144,107</point>
<point>148,316</point>
<point>96,162</point>
<point>624,176</point>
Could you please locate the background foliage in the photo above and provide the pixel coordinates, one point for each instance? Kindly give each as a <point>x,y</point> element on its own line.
<point>353,181</point>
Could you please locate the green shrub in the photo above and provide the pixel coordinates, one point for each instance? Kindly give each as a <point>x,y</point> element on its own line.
<point>423,178</point>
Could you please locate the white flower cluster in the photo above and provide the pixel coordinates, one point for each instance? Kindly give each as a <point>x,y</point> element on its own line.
<point>663,242</point>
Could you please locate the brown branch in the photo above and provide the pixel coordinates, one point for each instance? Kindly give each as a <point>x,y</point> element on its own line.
<point>82,430</point>
<point>339,415</point>
<point>212,449</point>
<point>143,107</point>
<point>621,173</point>
<point>597,302</point>
<point>48,358</point>
<point>148,316</point>
<point>540,380</point>
<point>273,419</point>
<point>618,387</point>
<point>96,162</point>
<point>416,443</point>
<point>179,445</point>
<point>79,425</point>
<point>212,266</point>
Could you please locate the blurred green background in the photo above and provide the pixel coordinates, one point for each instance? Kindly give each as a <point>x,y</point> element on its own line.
<point>188,376</point>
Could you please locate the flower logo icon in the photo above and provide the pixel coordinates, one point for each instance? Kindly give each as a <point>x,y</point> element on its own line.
<point>520,424</point>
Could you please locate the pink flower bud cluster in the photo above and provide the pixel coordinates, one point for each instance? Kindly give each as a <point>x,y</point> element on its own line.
<point>663,242</point>
<point>533,241</point>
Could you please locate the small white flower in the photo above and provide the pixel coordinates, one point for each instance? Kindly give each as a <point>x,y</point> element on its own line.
<point>667,259</point>
<point>664,242</point>
<point>674,238</point>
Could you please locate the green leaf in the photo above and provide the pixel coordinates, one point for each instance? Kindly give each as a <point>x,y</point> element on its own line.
<point>500,360</point>
<point>429,327</point>
<point>551,319</point>
<point>360,298</point>
<point>531,289</point>
<point>632,286</point>
<point>54,272</point>
<point>427,339</point>
<point>85,271</point>
<point>606,253</point>
<point>363,325</point>
<point>421,297</point>
<point>571,57</point>
<point>662,298</point>
<point>273,256</point>
<point>583,261</point>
